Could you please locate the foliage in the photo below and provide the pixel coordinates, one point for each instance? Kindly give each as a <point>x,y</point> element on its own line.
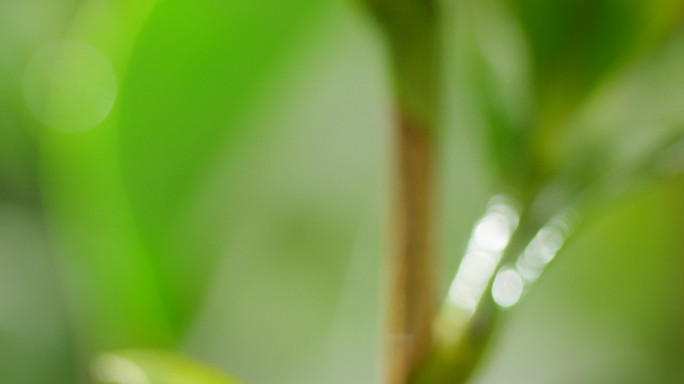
<point>221,206</point>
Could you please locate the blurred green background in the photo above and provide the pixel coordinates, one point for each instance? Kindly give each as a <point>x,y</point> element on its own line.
<point>213,178</point>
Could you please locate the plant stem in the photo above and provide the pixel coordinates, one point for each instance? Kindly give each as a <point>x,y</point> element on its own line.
<point>411,304</point>
<point>411,33</point>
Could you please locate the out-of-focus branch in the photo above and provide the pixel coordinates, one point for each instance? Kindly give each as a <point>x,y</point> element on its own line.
<point>411,302</point>
<point>411,32</point>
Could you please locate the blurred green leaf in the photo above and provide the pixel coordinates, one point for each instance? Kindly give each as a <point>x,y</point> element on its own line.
<point>154,367</point>
<point>114,257</point>
<point>495,75</point>
<point>631,128</point>
<point>533,66</point>
<point>113,289</point>
<point>577,44</point>
<point>196,69</point>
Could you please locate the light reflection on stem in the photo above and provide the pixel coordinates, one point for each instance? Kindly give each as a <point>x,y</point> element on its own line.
<point>508,251</point>
<point>513,280</point>
<point>510,248</point>
<point>485,249</point>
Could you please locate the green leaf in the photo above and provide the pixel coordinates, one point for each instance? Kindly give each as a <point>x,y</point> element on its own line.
<point>113,289</point>
<point>575,45</point>
<point>197,69</point>
<point>154,367</point>
<point>563,53</point>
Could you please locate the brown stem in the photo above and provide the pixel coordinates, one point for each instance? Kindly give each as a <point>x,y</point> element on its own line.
<point>411,304</point>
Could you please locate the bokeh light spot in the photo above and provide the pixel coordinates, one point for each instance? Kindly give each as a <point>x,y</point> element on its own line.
<point>508,287</point>
<point>70,86</point>
<point>489,239</point>
<point>111,368</point>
